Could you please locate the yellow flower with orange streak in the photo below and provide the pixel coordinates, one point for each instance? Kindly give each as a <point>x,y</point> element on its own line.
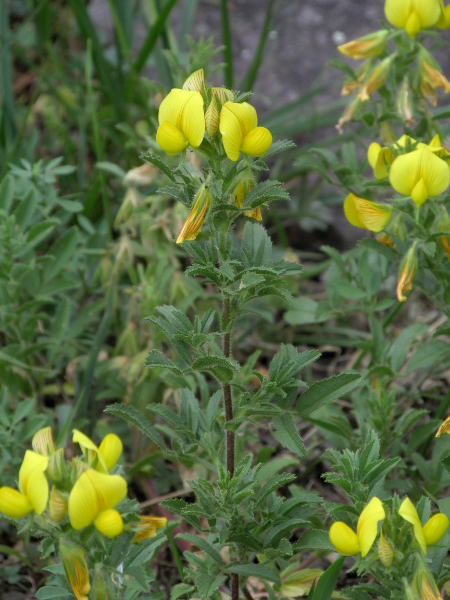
<point>407,273</point>
<point>431,73</point>
<point>194,222</point>
<point>367,46</point>
<point>376,79</point>
<point>413,15</point>
<point>367,214</point>
<point>347,542</point>
<point>76,569</point>
<point>147,528</point>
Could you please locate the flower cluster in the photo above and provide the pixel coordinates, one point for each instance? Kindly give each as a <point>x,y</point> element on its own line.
<point>83,492</point>
<point>195,113</point>
<point>348,542</point>
<point>411,16</point>
<point>415,170</point>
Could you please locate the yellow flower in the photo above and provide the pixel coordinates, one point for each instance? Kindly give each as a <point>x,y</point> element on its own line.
<point>378,158</point>
<point>147,528</point>
<point>104,457</point>
<point>369,45</point>
<point>57,504</point>
<point>366,214</point>
<point>408,271</point>
<point>444,19</point>
<point>92,500</point>
<point>423,583</point>
<point>76,569</point>
<point>193,224</point>
<point>419,174</point>
<point>431,73</point>
<point>376,79</point>
<point>240,133</point>
<point>444,427</point>
<point>431,532</point>
<point>243,186</point>
<point>347,542</point>
<point>350,85</point>
<point>219,96</point>
<point>412,15</point>
<point>181,121</point>
<point>33,486</point>
<point>436,146</point>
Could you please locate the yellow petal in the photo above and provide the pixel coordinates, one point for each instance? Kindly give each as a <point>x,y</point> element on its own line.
<point>90,450</point>
<point>436,173</point>
<point>57,505</point>
<point>372,154</point>
<point>13,503</point>
<point>212,118</point>
<point>397,12</point>
<point>428,12</point>
<point>193,120</point>
<point>171,139</point>
<point>419,193</point>
<point>37,491</point>
<point>76,569</point>
<point>385,157</point>
<point>412,24</point>
<point>368,524</point>
<point>111,449</point>
<point>109,522</point>
<point>171,108</point>
<point>110,489</point>
<point>257,142</point>
<point>231,130</point>
<point>435,528</point>
<point>32,463</point>
<point>223,94</point>
<point>351,211</point>
<point>444,20</point>
<point>147,528</point>
<point>444,427</point>
<point>366,214</point>
<point>405,172</point>
<point>42,441</point>
<point>344,539</point>
<point>246,115</point>
<point>195,82</point>
<point>408,512</point>
<point>83,503</point>
<point>194,222</point>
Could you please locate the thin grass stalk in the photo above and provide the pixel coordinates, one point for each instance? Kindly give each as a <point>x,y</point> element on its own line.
<point>96,133</point>
<point>153,35</point>
<point>252,73</point>
<point>226,41</point>
<point>7,125</point>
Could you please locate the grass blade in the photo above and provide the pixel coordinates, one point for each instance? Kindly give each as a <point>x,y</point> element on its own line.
<point>7,126</point>
<point>252,73</point>
<point>226,41</point>
<point>152,36</point>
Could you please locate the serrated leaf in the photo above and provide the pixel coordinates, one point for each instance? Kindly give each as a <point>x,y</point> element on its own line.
<point>131,415</point>
<point>325,391</point>
<point>201,543</point>
<point>208,584</point>
<point>382,249</point>
<point>256,246</point>
<point>270,486</point>
<point>428,355</point>
<point>180,589</point>
<point>155,359</point>
<point>220,366</point>
<point>274,534</point>
<point>155,160</point>
<point>255,570</point>
<point>314,539</point>
<point>285,432</point>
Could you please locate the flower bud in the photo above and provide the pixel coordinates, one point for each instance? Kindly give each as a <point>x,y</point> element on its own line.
<point>195,82</point>
<point>404,103</point>
<point>43,443</point>
<point>299,583</point>
<point>57,504</point>
<point>193,224</point>
<point>376,79</point>
<point>407,273</point>
<point>369,45</point>
<point>57,466</point>
<point>431,73</point>
<point>443,224</point>
<point>385,551</point>
<point>242,188</point>
<point>444,427</point>
<point>147,528</point>
<point>76,569</point>
<point>219,96</point>
<point>424,584</point>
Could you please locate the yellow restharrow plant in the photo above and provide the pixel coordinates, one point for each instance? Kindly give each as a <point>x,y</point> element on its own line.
<point>181,121</point>
<point>92,500</point>
<point>102,458</point>
<point>419,174</point>
<point>433,530</point>
<point>367,214</point>
<point>240,132</point>
<point>147,528</point>
<point>413,15</point>
<point>347,542</point>
<point>33,486</point>
<point>76,569</point>
<point>367,46</point>
<point>194,222</point>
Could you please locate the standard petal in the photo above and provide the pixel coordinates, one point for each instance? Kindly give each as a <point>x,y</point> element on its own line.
<point>257,142</point>
<point>435,528</point>
<point>436,173</point>
<point>368,524</point>
<point>231,130</point>
<point>408,512</point>
<point>109,522</point>
<point>83,503</point>
<point>352,212</point>
<point>32,462</point>
<point>109,489</point>
<point>428,11</point>
<point>385,157</point>
<point>397,12</point>
<point>13,503</point>
<point>344,539</point>
<point>405,172</point>
<point>372,154</point>
<point>246,114</point>
<point>195,82</point>
<point>193,120</point>
<point>111,449</point>
<point>171,108</point>
<point>170,139</point>
<point>89,449</point>
<point>37,491</point>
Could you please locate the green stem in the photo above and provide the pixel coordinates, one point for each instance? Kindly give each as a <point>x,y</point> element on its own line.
<point>175,553</point>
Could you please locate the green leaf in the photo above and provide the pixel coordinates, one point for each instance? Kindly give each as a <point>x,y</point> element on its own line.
<point>255,570</point>
<point>256,246</point>
<point>208,584</point>
<point>155,358</point>
<point>382,249</point>
<point>325,391</point>
<point>111,168</point>
<point>349,292</point>
<point>285,432</point>
<point>62,252</point>
<point>401,346</point>
<point>50,591</point>
<point>264,192</point>
<point>155,160</point>
<point>273,535</point>
<point>428,355</point>
<point>314,539</point>
<point>221,367</point>
<point>201,543</point>
<point>6,193</point>
<point>279,146</point>
<point>270,486</point>
<point>180,589</point>
<point>327,582</point>
<point>131,415</point>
